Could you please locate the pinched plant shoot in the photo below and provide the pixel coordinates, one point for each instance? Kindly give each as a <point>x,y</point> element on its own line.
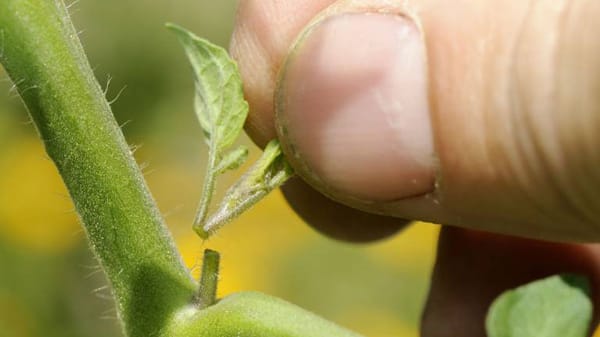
<point>222,110</point>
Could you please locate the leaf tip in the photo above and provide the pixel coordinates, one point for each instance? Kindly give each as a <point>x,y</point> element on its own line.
<point>173,27</point>
<point>178,30</point>
<point>559,305</point>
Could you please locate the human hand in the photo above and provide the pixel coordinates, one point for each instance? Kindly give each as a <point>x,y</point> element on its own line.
<point>478,114</point>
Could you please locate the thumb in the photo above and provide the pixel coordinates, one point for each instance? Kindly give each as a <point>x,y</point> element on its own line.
<point>352,105</point>
<point>479,114</point>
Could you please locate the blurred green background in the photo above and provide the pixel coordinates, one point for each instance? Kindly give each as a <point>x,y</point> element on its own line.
<point>49,283</point>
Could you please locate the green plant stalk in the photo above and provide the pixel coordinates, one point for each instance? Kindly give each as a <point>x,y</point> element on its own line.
<point>41,52</point>
<point>209,278</point>
<point>269,172</point>
<point>208,190</point>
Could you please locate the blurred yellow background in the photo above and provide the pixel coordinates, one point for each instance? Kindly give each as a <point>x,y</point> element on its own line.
<point>49,283</point>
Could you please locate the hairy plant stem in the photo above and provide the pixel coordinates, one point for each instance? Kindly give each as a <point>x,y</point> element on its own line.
<point>208,190</point>
<point>155,294</point>
<point>209,278</point>
<point>41,52</point>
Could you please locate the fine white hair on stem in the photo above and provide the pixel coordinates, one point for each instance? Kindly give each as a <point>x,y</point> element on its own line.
<point>101,293</point>
<point>125,123</point>
<point>108,80</point>
<point>62,195</point>
<point>144,165</point>
<point>78,232</point>
<point>148,172</point>
<point>71,8</point>
<point>134,147</point>
<point>100,289</point>
<point>32,87</point>
<point>13,88</point>
<point>118,95</point>
<point>109,315</point>
<point>73,3</point>
<point>96,271</point>
<point>28,120</point>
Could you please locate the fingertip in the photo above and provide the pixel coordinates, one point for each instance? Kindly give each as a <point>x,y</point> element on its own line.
<point>352,107</point>
<point>263,33</point>
<point>337,221</point>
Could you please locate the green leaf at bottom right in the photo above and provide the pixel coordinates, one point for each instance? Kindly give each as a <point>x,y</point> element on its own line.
<point>558,306</point>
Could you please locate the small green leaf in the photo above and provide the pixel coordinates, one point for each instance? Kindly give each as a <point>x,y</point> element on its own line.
<point>222,110</point>
<point>220,107</point>
<point>269,172</point>
<point>558,306</point>
<point>219,102</point>
<point>232,160</point>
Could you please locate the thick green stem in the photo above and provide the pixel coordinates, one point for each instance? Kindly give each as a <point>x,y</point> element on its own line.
<point>41,52</point>
<point>156,296</point>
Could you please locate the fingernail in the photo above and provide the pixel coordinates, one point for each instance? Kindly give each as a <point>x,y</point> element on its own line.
<point>353,109</point>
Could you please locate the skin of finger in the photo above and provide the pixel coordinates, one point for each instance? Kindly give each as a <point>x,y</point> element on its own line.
<point>263,34</point>
<point>505,151</point>
<point>492,66</point>
<point>336,220</point>
<point>473,268</point>
<point>259,50</point>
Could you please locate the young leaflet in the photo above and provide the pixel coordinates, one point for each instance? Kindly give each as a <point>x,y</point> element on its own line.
<point>557,306</point>
<point>222,110</point>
